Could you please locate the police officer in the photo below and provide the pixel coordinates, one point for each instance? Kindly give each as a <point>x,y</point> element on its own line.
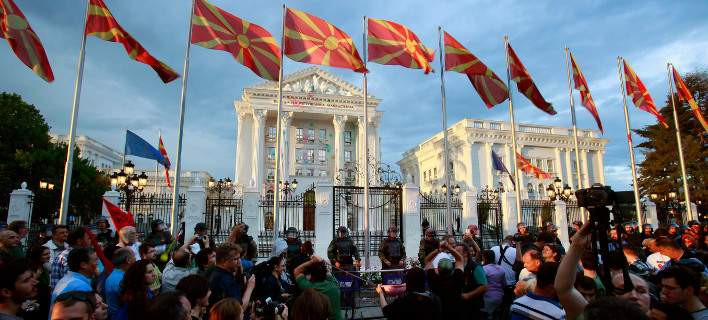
<point>294,256</point>
<point>428,244</point>
<point>391,251</point>
<point>159,237</point>
<point>342,252</point>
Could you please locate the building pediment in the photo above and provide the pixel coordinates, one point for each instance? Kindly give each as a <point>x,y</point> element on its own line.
<point>313,80</point>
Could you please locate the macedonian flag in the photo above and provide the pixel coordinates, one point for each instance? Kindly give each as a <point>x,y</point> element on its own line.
<point>101,24</point>
<point>525,84</point>
<point>640,94</point>
<point>488,85</point>
<point>393,43</point>
<point>686,96</point>
<point>582,86</point>
<point>16,29</point>
<point>249,44</point>
<point>311,39</point>
<point>525,166</point>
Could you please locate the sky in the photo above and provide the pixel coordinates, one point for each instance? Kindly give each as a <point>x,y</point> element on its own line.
<point>119,93</point>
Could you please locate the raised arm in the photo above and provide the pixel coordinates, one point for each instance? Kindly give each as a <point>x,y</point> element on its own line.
<point>570,298</point>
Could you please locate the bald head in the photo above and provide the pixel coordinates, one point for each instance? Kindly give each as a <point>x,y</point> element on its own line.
<point>9,239</point>
<point>128,235</point>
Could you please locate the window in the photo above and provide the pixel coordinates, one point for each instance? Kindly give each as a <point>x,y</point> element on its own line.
<point>298,155</point>
<point>550,165</point>
<point>311,135</point>
<point>310,156</point>
<point>298,133</point>
<point>271,133</point>
<point>323,134</point>
<point>347,137</point>
<point>323,173</point>
<point>310,172</point>
<point>425,175</point>
<point>321,155</point>
<point>347,156</point>
<point>271,153</point>
<point>270,175</point>
<point>298,172</point>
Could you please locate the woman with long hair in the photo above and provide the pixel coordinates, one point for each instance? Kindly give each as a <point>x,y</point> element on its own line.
<point>270,284</point>
<point>135,290</point>
<point>551,253</point>
<point>38,256</point>
<point>196,289</point>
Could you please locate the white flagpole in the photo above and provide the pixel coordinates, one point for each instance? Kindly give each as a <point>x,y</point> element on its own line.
<point>629,141</point>
<point>367,236</point>
<point>278,138</point>
<point>513,133</point>
<point>174,217</point>
<point>575,128</point>
<point>689,211</point>
<point>446,156</point>
<point>69,166</point>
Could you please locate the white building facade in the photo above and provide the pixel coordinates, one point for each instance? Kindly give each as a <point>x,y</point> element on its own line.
<point>322,129</point>
<point>99,154</point>
<point>471,142</point>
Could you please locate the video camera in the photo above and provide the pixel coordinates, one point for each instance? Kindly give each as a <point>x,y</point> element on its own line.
<point>595,197</point>
<point>269,309</point>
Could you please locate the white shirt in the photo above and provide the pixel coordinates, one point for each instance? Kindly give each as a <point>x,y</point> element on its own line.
<point>657,260</point>
<point>440,256</point>
<point>510,255</point>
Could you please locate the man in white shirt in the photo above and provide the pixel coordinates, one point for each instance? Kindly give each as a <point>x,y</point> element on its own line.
<point>656,260</point>
<point>57,244</point>
<point>506,262</point>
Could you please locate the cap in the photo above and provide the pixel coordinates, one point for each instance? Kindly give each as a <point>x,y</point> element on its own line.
<point>156,223</point>
<point>445,267</point>
<point>200,226</point>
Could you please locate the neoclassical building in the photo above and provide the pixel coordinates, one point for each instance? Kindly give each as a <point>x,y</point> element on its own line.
<point>99,154</point>
<point>471,142</point>
<point>322,129</point>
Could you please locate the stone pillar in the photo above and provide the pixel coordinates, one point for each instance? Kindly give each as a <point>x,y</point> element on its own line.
<point>522,185</point>
<point>113,197</point>
<point>412,231</point>
<point>600,166</point>
<point>561,221</point>
<point>584,164</point>
<point>286,119</point>
<point>251,212</point>
<point>258,164</point>
<point>360,145</point>
<point>373,142</point>
<point>244,155</point>
<point>569,172</point>
<point>650,215</point>
<point>557,164</point>
<point>20,207</point>
<point>469,208</point>
<point>508,203</point>
<point>324,221</point>
<point>339,122</point>
<point>694,212</point>
<point>194,210</point>
<point>469,162</point>
<point>490,167</point>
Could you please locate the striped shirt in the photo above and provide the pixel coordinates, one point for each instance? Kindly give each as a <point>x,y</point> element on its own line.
<point>533,306</point>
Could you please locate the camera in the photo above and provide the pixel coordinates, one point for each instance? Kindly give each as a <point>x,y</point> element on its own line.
<point>268,309</point>
<point>596,196</point>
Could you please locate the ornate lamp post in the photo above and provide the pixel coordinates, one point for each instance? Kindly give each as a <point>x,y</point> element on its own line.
<point>557,191</point>
<point>670,204</point>
<point>219,187</point>
<point>128,182</point>
<point>488,194</point>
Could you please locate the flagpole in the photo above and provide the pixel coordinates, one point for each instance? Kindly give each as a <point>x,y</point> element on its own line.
<point>159,136</point>
<point>513,133</point>
<point>278,138</point>
<point>446,156</point>
<point>367,236</point>
<point>69,166</point>
<point>689,211</point>
<point>575,128</point>
<point>629,142</point>
<point>174,217</point>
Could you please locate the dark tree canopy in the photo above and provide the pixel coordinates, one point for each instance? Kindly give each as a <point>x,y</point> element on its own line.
<point>27,154</point>
<point>660,172</point>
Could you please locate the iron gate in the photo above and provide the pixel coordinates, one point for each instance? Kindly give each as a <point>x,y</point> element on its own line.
<point>296,210</point>
<point>433,208</point>
<point>221,215</point>
<point>489,215</point>
<point>147,207</point>
<point>534,213</point>
<point>385,210</point>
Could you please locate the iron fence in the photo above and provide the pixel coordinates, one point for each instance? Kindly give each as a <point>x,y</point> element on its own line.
<point>297,211</point>
<point>221,215</point>
<point>573,213</point>
<point>147,207</point>
<point>490,218</point>
<point>433,208</point>
<point>534,213</point>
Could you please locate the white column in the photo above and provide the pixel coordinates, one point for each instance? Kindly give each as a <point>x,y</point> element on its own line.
<point>286,119</point>
<point>258,165</point>
<point>584,164</point>
<point>339,122</point>
<point>324,222</point>
<point>469,166</point>
<point>20,207</point>
<point>489,167</point>
<point>522,183</point>
<point>508,204</point>
<point>650,215</point>
<point>360,145</point>
<point>244,156</point>
<point>569,172</point>
<point>373,143</point>
<point>561,221</point>
<point>194,209</point>
<point>600,166</point>
<point>412,231</point>
<point>251,212</point>
<point>469,208</point>
<point>557,164</point>
<point>508,184</point>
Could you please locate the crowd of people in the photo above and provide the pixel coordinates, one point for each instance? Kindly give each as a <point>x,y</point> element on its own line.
<point>100,274</point>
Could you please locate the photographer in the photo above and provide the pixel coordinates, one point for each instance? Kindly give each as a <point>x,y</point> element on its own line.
<point>319,279</point>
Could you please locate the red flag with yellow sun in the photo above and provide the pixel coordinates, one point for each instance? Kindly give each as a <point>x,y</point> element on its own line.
<point>394,44</point>
<point>15,28</point>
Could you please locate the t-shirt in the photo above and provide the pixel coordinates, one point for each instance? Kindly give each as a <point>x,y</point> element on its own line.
<point>532,306</point>
<point>449,290</point>
<point>112,289</point>
<point>440,256</point>
<point>700,314</point>
<point>496,279</point>
<point>508,263</point>
<point>173,274</point>
<point>329,287</point>
<point>657,260</point>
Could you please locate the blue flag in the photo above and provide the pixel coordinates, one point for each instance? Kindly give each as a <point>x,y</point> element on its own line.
<point>136,146</point>
<point>499,165</point>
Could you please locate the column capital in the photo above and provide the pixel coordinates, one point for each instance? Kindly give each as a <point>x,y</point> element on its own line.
<point>286,118</point>
<point>360,121</point>
<point>339,120</point>
<point>242,114</point>
<point>259,116</point>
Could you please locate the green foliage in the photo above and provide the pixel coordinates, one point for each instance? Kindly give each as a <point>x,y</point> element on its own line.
<point>27,154</point>
<point>660,171</point>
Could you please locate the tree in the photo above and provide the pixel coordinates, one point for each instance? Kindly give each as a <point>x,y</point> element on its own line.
<point>27,154</point>
<point>660,172</point>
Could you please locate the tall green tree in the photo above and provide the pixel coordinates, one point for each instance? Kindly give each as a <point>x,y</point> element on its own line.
<point>660,171</point>
<point>27,154</point>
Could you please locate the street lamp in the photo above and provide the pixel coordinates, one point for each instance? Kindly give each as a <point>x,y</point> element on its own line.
<point>669,204</point>
<point>557,191</point>
<point>128,182</point>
